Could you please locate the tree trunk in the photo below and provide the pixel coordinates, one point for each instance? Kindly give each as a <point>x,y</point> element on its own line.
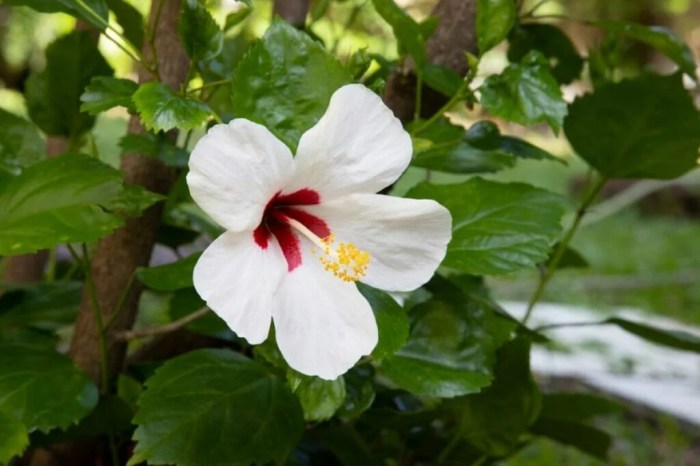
<point>118,255</point>
<point>455,35</point>
<point>292,11</point>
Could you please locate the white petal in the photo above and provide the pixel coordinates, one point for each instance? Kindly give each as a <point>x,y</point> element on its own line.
<point>235,170</point>
<point>323,325</point>
<point>238,280</point>
<point>357,146</point>
<point>406,238</point>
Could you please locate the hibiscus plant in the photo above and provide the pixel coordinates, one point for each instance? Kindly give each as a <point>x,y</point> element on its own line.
<point>276,269</point>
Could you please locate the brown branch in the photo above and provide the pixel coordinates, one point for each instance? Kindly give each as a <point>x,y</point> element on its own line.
<point>118,255</point>
<point>163,329</point>
<point>455,35</point>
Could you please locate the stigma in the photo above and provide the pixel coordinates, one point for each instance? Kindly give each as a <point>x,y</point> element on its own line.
<point>344,260</point>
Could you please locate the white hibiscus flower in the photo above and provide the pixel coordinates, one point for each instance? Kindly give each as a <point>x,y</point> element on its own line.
<point>301,230</point>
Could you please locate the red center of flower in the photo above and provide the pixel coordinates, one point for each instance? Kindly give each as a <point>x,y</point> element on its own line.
<point>275,223</point>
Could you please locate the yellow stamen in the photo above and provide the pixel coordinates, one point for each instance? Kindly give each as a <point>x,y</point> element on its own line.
<point>345,261</point>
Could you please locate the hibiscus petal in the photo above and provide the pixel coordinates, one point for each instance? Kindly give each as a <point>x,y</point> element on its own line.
<point>323,325</point>
<point>238,279</point>
<point>235,170</point>
<point>406,238</point>
<point>357,146</point>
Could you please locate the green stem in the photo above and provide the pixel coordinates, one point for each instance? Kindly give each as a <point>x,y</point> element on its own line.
<point>209,84</point>
<point>419,95</point>
<point>562,246</point>
<point>90,283</point>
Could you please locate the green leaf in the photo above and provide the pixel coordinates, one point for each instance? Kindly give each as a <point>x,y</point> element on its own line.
<point>105,92</point>
<point>293,93</point>
<point>391,320</point>
<point>169,277</point>
<point>43,389</point>
<point>524,150</point>
<point>408,32</point>
<point>53,95</point>
<point>236,18</point>
<point>450,351</point>
<point>586,438</point>
<point>58,201</point>
<point>130,20</point>
<point>201,37</point>
<point>576,406</point>
<point>647,127</point>
<point>525,93</point>
<point>672,338</point>
<point>21,144</point>
<point>184,302</point>
<point>13,437</point>
<point>495,420</point>
<point>494,20</point>
<point>196,400</point>
<point>571,259</point>
<point>161,109</point>
<point>158,146</point>
<point>565,62</point>
<point>71,7</point>
<point>360,393</point>
<point>497,228</point>
<point>660,38</point>
<point>44,306</point>
<point>319,398</point>
<point>132,200</point>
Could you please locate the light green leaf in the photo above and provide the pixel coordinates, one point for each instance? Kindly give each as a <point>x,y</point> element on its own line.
<point>293,93</point>
<point>525,93</point>
<point>169,277</point>
<point>133,199</point>
<point>319,398</point>
<point>21,143</point>
<point>194,401</point>
<point>236,18</point>
<point>56,201</point>
<point>391,320</point>
<point>13,437</point>
<point>105,92</point>
<point>496,419</point>
<point>201,37</point>
<point>647,127</point>
<point>408,32</point>
<point>43,389</point>
<point>162,109</point>
<point>97,16</point>
<point>53,95</point>
<point>494,20</point>
<point>659,37</point>
<point>158,146</point>
<point>497,228</point>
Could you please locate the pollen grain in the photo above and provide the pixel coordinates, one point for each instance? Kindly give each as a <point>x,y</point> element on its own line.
<point>345,261</point>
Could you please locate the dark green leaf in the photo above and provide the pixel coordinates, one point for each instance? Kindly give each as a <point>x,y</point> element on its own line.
<point>53,95</point>
<point>43,389</point>
<point>646,127</point>
<point>525,93</point>
<point>13,437</point>
<point>576,406</point>
<point>570,259</point>
<point>319,398</point>
<point>169,277</point>
<point>236,18</point>
<point>497,228</point>
<point>442,79</point>
<point>659,37</point>
<point>132,200</point>
<point>161,109</point>
<point>157,146</point>
<point>201,37</point>
<point>105,92</point>
<point>451,348</point>
<point>586,438</point>
<point>391,320</point>
<point>72,7</point>
<point>184,302</point>
<point>495,420</point>
<point>408,32</point>
<point>58,201</point>
<point>21,144</point>
<point>293,93</point>
<point>672,338</point>
<point>565,62</point>
<point>45,306</point>
<point>130,20</point>
<point>494,19</point>
<point>319,8</point>
<point>524,150</point>
<point>196,400</point>
<point>360,393</point>
<point>346,444</point>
